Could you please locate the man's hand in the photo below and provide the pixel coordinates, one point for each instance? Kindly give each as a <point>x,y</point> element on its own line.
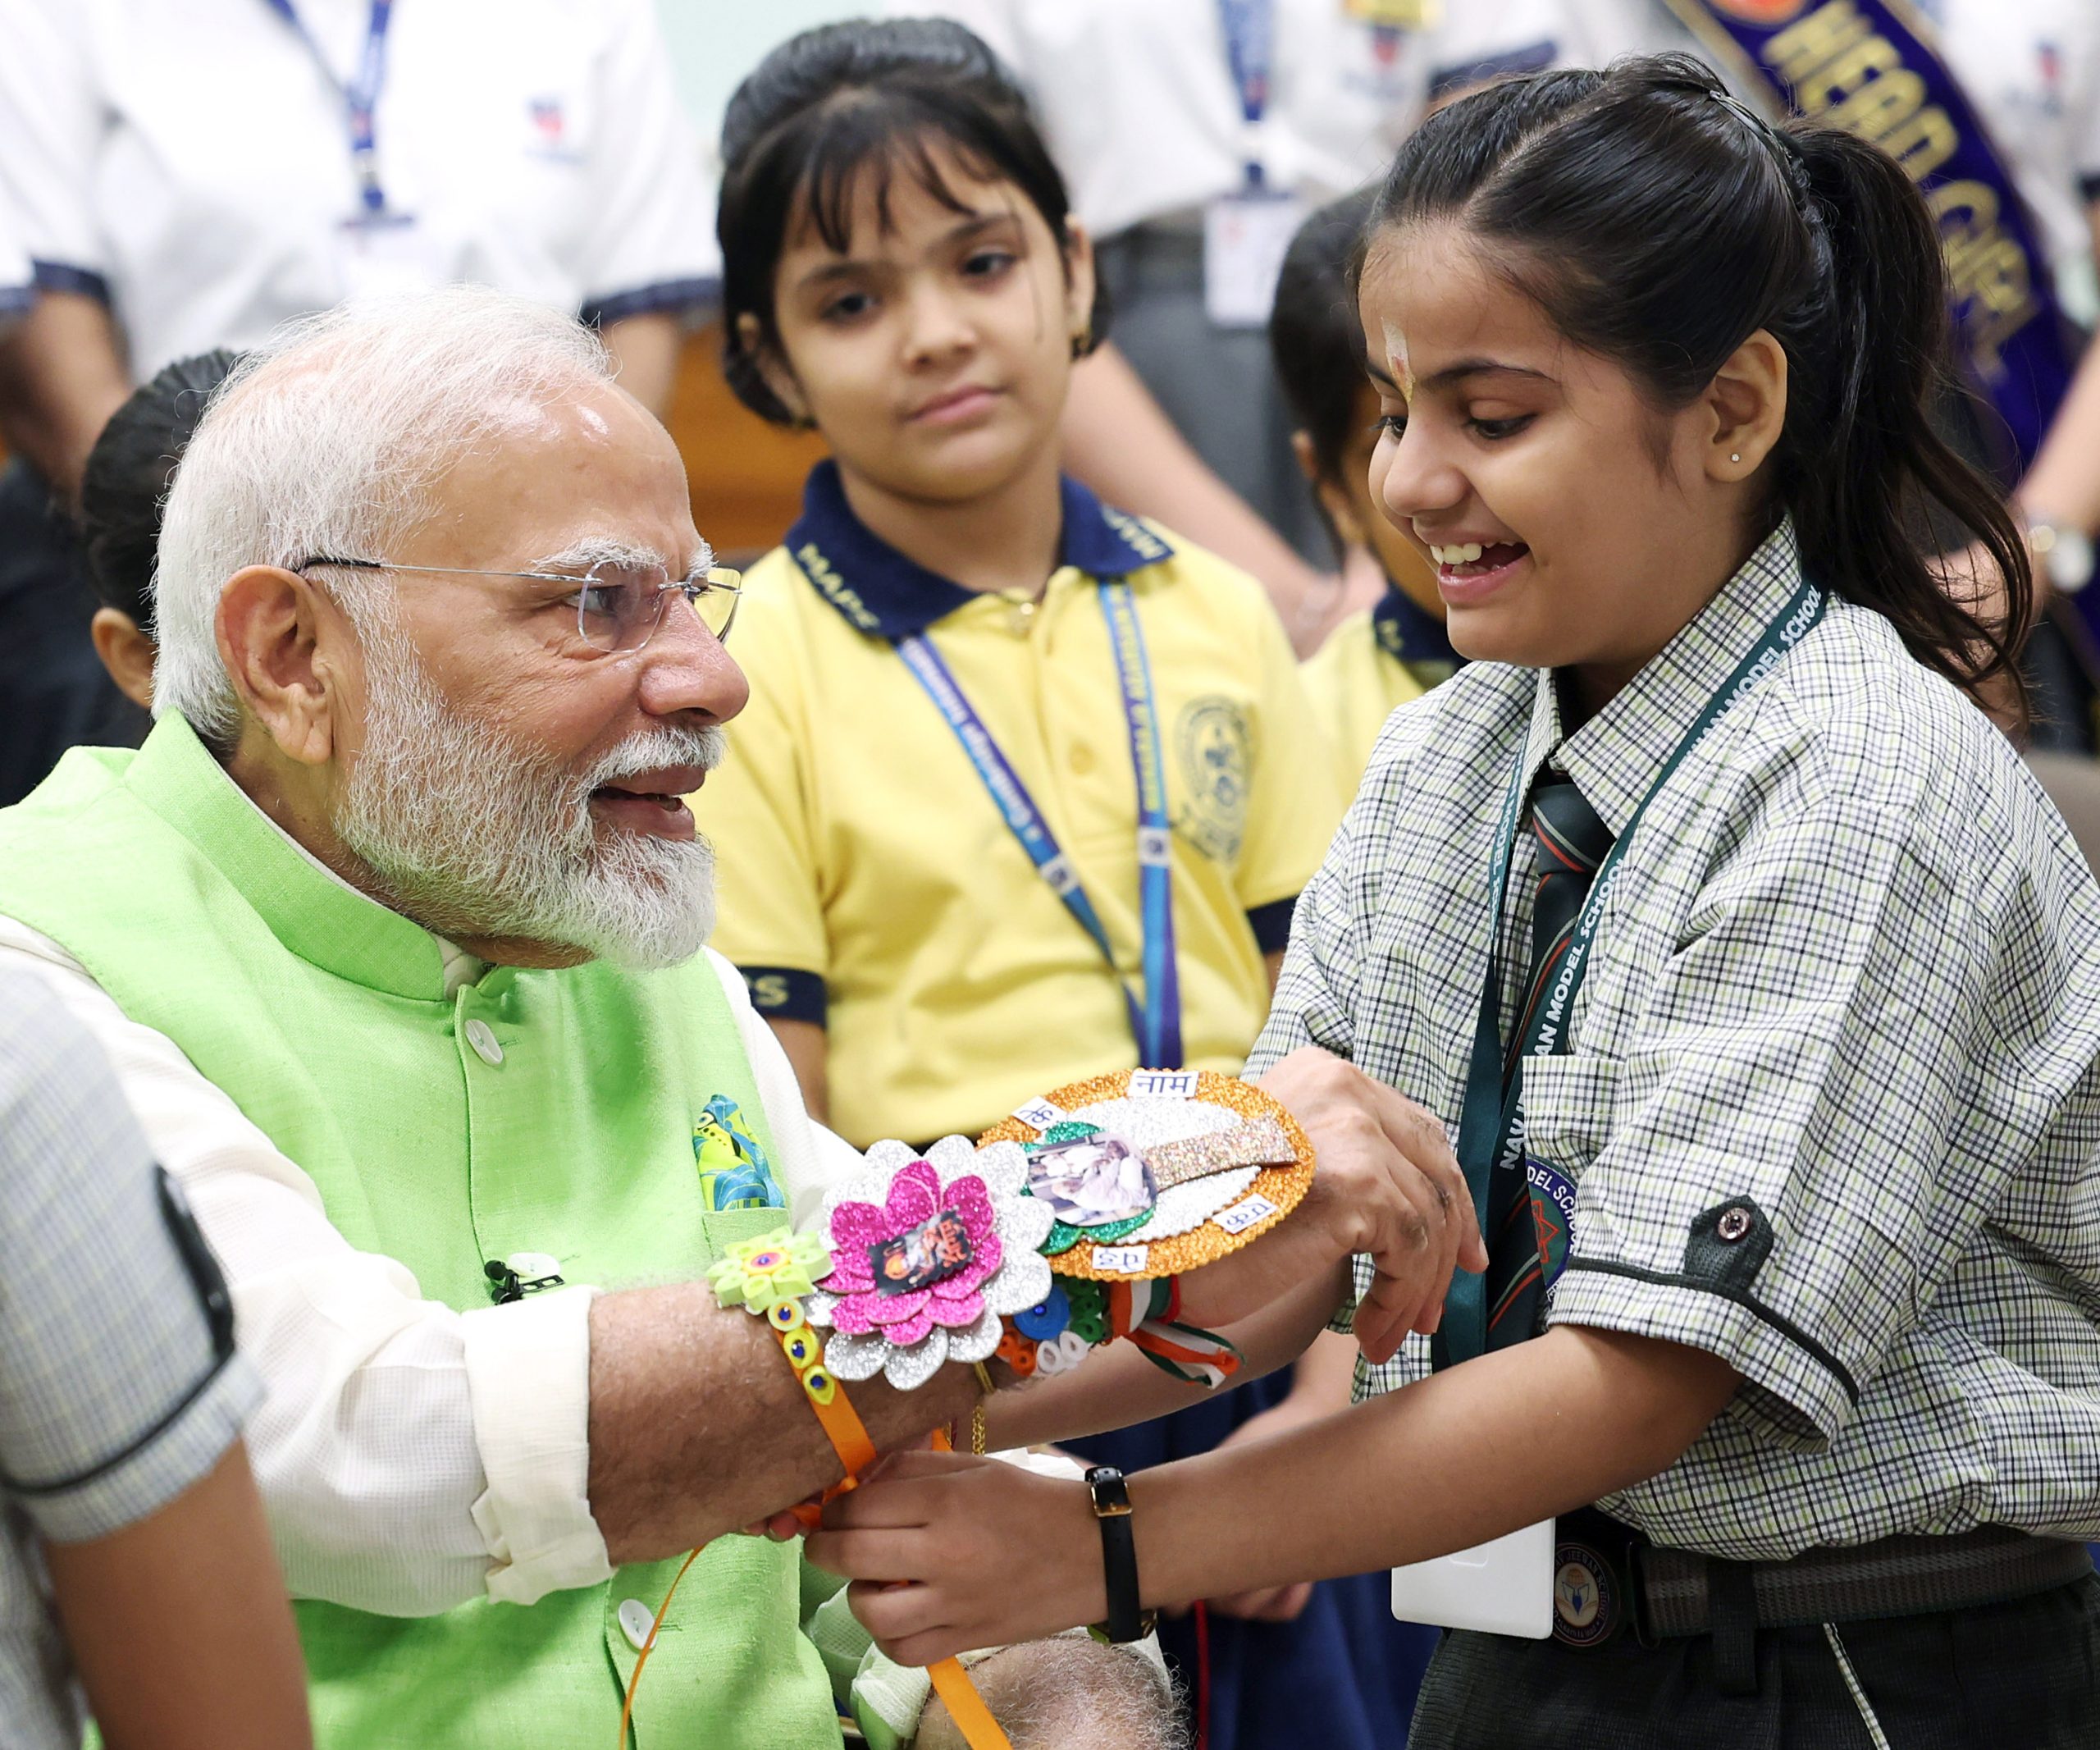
<point>1388,1184</point>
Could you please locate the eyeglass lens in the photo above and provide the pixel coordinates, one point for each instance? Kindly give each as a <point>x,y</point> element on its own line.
<point>620,607</point>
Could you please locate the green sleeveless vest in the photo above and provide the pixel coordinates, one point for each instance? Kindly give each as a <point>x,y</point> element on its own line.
<point>323,1015</point>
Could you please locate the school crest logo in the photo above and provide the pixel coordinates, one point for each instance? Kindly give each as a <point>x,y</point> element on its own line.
<point>1585,1602</point>
<point>1217,747</point>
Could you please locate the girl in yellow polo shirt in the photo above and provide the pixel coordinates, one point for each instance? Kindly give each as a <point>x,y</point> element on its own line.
<point>1381,659</point>
<point>1027,788</point>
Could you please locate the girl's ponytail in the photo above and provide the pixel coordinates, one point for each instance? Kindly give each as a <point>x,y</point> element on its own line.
<point>1865,470</point>
<point>1659,222</point>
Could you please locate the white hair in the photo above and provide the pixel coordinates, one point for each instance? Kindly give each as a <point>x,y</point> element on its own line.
<point>328,440</point>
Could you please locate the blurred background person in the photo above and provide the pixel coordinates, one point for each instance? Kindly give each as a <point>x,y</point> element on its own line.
<point>134,1558</point>
<point>1384,656</point>
<point>188,177</point>
<point>122,489</point>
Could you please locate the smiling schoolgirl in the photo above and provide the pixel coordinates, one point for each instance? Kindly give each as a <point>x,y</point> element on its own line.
<point>1759,981</point>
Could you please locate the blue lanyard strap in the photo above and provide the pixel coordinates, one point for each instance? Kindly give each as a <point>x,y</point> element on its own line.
<point>1155,1022</point>
<point>360,95</point>
<point>1490,1118</point>
<point>1250,41</point>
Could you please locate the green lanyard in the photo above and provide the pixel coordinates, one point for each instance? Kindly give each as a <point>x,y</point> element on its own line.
<point>1491,1121</point>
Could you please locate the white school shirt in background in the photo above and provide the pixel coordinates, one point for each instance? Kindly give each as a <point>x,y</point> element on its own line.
<point>1141,114</point>
<point>2032,69</point>
<point>1137,99</point>
<point>412,1457</point>
<point>16,292</point>
<point>190,164</point>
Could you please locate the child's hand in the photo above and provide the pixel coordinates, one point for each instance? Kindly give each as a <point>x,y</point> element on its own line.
<point>948,1553</point>
<point>1387,1184</point>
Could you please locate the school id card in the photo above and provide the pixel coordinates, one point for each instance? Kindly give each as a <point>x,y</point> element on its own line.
<point>1245,236</point>
<point>1503,1587</point>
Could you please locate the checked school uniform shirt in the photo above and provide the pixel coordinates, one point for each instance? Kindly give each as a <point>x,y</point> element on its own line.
<point>1848,981</point>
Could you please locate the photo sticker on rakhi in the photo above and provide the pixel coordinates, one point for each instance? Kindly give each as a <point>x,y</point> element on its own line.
<point>1090,1179</point>
<point>931,1252</point>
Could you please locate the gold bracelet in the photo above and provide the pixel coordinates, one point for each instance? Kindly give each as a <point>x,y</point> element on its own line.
<point>977,1414</point>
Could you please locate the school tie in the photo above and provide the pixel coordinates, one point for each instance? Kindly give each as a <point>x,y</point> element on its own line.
<point>1568,843</point>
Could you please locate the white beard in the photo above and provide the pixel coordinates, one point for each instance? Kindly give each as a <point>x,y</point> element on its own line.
<point>474,836</point>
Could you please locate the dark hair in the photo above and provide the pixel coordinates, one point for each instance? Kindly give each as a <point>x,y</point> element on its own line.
<point>127,476</point>
<point>1660,223</point>
<point>868,96</point>
<point>1314,334</point>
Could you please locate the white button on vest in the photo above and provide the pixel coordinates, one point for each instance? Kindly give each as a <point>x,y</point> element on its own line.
<point>533,1267</point>
<point>635,1618</point>
<point>483,1039</point>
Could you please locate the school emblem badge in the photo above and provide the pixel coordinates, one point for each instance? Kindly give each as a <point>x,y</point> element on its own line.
<point>1217,760</point>
<point>1553,1214</point>
<point>1585,1600</point>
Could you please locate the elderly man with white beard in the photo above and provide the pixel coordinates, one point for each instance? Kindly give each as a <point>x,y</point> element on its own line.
<point>393,931</point>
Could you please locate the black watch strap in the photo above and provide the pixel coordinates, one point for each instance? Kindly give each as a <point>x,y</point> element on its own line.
<point>1119,1558</point>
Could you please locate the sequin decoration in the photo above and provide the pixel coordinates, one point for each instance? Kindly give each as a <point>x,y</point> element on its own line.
<point>1178,1234</point>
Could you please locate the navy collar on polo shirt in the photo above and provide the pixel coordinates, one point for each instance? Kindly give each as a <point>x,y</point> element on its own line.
<point>888,595</point>
<point>1407,632</point>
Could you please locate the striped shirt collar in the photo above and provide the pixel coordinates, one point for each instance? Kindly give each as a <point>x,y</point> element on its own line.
<point>881,592</point>
<point>1613,757</point>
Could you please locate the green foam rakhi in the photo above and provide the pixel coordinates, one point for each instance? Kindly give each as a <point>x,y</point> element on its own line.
<point>769,1271</point>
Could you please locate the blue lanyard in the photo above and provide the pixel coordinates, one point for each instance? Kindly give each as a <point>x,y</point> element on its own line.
<point>1491,1121</point>
<point>1155,1023</point>
<point>1250,41</point>
<point>360,95</point>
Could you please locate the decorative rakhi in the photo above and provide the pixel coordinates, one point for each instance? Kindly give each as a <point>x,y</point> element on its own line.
<point>1066,1227</point>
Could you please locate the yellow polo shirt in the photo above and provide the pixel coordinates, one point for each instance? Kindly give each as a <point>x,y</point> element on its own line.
<point>868,881</point>
<point>1370,664</point>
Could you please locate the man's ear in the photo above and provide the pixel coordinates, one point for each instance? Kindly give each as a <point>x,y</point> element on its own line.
<point>282,640</point>
<point>773,368</point>
<point>1747,403</point>
<point>1334,497</point>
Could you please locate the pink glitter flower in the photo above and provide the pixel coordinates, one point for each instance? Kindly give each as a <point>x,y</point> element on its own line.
<point>916,1196</point>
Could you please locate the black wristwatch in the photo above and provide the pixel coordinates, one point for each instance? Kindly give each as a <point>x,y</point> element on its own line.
<point>1119,1558</point>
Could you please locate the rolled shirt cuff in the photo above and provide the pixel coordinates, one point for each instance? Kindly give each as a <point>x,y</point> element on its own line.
<point>528,1374</point>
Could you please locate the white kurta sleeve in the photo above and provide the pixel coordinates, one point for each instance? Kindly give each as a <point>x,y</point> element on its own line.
<point>651,243</point>
<point>51,124</point>
<point>411,1458</point>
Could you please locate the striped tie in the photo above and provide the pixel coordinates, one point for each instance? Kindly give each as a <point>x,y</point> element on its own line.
<point>1568,842</point>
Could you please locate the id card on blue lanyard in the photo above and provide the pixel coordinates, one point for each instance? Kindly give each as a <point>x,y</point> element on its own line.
<point>1156,1018</point>
<point>1491,1120</point>
<point>360,95</point>
<point>1247,232</point>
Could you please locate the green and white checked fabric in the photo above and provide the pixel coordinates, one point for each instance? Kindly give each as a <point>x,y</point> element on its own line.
<point>1848,983</point>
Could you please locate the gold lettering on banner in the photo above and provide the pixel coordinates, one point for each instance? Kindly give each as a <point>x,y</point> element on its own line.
<point>1845,75</point>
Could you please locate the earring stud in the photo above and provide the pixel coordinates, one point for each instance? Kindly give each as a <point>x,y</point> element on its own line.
<point>1735,455</point>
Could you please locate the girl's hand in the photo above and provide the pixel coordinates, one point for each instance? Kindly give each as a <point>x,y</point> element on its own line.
<point>1388,1184</point>
<point>947,1553</point>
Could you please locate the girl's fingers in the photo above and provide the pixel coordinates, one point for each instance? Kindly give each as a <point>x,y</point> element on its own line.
<point>893,1614</point>
<point>883,1557</point>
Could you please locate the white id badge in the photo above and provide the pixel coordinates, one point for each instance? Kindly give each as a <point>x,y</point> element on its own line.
<point>1501,1587</point>
<point>387,255</point>
<point>1244,239</point>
